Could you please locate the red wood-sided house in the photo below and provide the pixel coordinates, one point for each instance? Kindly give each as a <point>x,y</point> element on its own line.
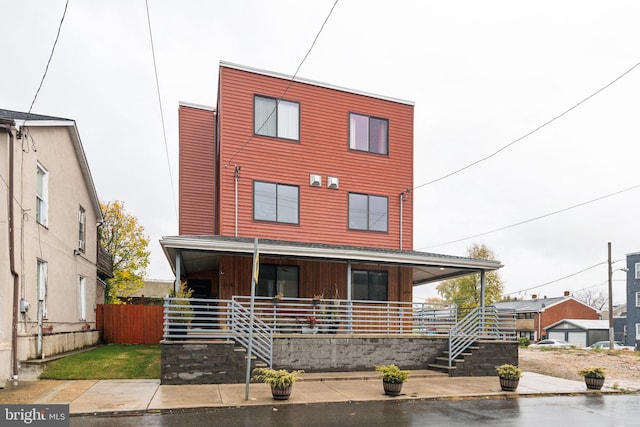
<point>320,175</point>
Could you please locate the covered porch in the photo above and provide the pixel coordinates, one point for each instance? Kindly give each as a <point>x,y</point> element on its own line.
<point>327,308</point>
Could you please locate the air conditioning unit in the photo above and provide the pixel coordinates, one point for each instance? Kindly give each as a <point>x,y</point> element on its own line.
<point>315,180</point>
<point>332,182</point>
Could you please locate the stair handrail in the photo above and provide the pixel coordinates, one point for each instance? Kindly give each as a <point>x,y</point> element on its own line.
<point>487,323</point>
<point>262,334</point>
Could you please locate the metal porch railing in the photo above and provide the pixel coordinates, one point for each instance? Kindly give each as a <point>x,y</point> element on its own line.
<point>487,323</point>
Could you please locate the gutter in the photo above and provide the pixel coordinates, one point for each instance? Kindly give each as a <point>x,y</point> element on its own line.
<point>7,126</point>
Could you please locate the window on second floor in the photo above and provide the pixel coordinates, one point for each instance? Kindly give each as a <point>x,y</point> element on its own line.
<point>277,279</point>
<point>368,134</point>
<point>637,270</point>
<point>637,299</point>
<point>42,194</point>
<point>369,285</point>
<point>276,117</point>
<point>82,229</point>
<point>367,212</point>
<point>275,202</point>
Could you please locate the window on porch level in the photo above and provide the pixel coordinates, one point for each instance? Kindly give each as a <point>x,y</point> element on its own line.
<point>369,285</point>
<point>277,279</point>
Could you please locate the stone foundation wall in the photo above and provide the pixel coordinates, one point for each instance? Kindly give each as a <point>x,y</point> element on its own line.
<point>485,357</point>
<point>56,343</point>
<point>318,353</point>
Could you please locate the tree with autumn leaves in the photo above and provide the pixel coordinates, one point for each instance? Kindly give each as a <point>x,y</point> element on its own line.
<point>465,291</point>
<point>124,238</point>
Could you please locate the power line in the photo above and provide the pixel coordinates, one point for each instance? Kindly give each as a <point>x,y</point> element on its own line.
<point>164,132</point>
<point>288,85</point>
<point>548,122</point>
<point>536,218</point>
<point>50,56</point>
<point>559,279</point>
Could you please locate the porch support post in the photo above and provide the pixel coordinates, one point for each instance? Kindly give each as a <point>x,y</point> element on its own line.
<point>176,283</point>
<point>349,308</point>
<point>482,286</point>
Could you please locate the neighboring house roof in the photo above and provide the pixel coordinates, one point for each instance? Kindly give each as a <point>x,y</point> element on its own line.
<point>199,252</point>
<point>533,305</point>
<point>583,324</point>
<point>30,119</point>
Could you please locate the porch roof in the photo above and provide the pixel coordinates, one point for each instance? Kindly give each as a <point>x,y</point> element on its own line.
<point>200,253</point>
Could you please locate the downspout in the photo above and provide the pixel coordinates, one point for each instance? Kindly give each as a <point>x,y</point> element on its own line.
<point>403,198</point>
<point>12,258</point>
<point>236,175</point>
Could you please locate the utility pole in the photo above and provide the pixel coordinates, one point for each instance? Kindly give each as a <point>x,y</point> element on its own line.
<point>610,299</point>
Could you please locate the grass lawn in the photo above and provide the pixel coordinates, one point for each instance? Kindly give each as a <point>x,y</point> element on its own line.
<point>113,361</point>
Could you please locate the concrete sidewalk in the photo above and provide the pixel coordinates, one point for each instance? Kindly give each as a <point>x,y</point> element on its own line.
<point>118,396</point>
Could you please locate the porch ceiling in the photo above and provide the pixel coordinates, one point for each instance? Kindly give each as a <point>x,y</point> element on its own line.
<point>199,253</point>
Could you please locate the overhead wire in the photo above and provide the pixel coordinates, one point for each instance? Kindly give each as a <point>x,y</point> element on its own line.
<point>557,280</point>
<point>548,122</point>
<point>50,57</point>
<point>536,218</point>
<point>291,80</point>
<point>164,132</point>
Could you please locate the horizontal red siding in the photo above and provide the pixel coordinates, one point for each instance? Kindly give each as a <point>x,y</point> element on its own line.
<point>197,170</point>
<point>323,149</point>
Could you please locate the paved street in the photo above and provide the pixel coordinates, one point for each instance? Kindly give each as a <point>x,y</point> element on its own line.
<point>582,410</point>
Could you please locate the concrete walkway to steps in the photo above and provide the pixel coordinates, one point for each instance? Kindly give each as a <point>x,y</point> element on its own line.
<point>123,396</point>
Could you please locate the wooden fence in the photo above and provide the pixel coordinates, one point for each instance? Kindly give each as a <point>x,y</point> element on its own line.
<point>130,323</point>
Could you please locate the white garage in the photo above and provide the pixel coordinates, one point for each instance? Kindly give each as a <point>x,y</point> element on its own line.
<point>580,332</point>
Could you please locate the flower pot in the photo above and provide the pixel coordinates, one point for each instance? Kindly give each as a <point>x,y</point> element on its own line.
<point>281,393</point>
<point>594,383</point>
<point>508,385</point>
<point>391,389</point>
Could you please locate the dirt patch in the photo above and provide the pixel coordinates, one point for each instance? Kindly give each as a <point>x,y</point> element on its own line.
<point>565,363</point>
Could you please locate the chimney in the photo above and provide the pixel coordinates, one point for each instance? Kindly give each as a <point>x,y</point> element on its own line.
<point>567,293</point>
<point>534,296</point>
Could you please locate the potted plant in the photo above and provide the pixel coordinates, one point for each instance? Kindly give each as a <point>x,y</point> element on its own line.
<point>509,376</point>
<point>392,379</point>
<point>311,327</point>
<point>280,380</point>
<point>593,377</point>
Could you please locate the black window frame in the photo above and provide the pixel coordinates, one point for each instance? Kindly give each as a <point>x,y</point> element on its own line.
<point>275,112</point>
<point>372,277</point>
<point>369,118</point>
<point>271,271</point>
<point>276,184</point>
<point>368,212</point>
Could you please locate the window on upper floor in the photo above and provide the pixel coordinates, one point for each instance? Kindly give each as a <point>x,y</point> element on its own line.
<point>82,229</point>
<point>637,299</point>
<point>41,285</point>
<point>42,194</point>
<point>276,117</point>
<point>278,279</point>
<point>637,331</point>
<point>637,270</point>
<point>369,285</point>
<point>367,212</point>
<point>368,134</point>
<point>275,202</point>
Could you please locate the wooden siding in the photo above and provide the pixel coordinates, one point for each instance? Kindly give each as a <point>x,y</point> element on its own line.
<point>197,170</point>
<point>315,278</point>
<point>130,323</point>
<point>323,149</point>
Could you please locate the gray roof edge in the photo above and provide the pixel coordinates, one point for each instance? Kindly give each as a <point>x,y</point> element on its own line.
<point>312,82</point>
<point>198,106</point>
<point>338,252</point>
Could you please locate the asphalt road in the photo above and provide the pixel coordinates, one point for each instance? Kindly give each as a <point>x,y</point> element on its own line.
<point>584,410</point>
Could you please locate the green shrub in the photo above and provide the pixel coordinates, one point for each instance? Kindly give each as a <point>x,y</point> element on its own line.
<point>280,378</point>
<point>509,372</point>
<point>392,374</point>
<point>592,372</point>
<point>523,342</point>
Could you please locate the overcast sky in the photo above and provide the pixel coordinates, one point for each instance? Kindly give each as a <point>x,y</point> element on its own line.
<point>481,73</point>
